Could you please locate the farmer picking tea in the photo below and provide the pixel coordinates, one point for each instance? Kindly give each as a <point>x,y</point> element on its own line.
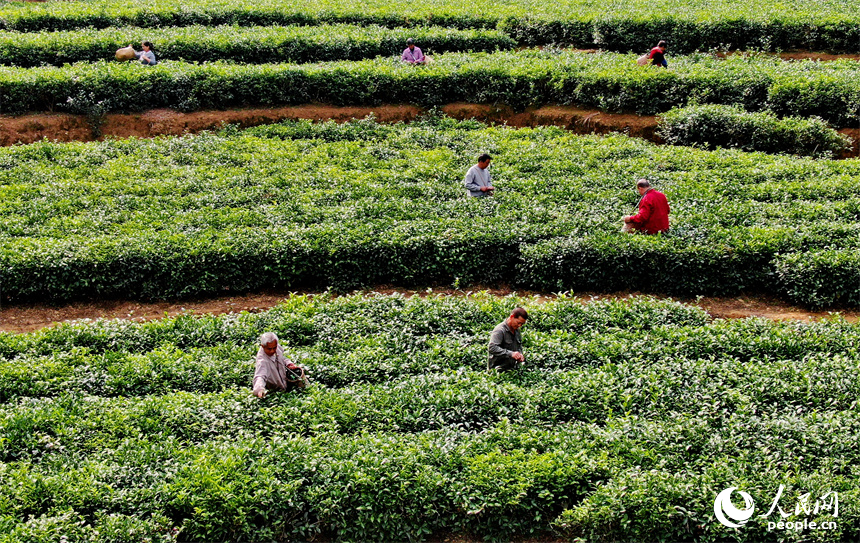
<point>478,181</point>
<point>653,216</point>
<point>275,371</point>
<point>506,342</point>
<point>146,56</point>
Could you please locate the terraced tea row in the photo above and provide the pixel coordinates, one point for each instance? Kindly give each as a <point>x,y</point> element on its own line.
<point>607,81</point>
<point>619,444</point>
<point>252,45</point>
<point>317,205</point>
<point>713,126</point>
<point>115,359</point>
<point>624,26</point>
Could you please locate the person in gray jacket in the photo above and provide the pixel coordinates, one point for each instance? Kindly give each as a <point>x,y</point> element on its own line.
<point>506,342</point>
<point>477,179</point>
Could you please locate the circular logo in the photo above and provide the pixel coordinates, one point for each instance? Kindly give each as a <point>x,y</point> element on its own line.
<point>723,507</point>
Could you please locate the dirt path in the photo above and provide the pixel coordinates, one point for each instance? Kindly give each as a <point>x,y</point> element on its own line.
<point>65,127</point>
<point>27,318</point>
<point>824,57</point>
<point>68,127</point>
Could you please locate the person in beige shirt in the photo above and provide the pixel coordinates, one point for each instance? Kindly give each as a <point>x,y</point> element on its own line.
<point>275,371</point>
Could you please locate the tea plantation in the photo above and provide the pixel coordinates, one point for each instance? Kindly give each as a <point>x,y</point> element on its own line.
<point>639,420</point>
<point>312,206</point>
<point>624,25</point>
<point>626,422</point>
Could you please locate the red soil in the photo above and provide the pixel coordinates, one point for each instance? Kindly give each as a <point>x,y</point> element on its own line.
<point>30,317</point>
<point>65,127</point>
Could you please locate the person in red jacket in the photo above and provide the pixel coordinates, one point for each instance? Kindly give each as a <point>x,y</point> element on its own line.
<point>658,55</point>
<point>653,216</point>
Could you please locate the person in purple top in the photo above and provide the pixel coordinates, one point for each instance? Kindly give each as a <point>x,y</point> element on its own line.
<point>412,54</point>
<point>658,55</point>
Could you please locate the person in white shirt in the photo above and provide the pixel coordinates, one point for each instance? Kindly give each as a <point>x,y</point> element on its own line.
<point>275,371</point>
<point>478,179</point>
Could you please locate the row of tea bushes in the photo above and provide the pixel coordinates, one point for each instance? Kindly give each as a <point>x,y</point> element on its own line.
<point>608,81</point>
<point>338,358</point>
<point>333,324</point>
<point>712,126</point>
<point>822,277</point>
<point>630,445</point>
<point>630,25</point>
<point>364,203</point>
<point>463,400</point>
<point>251,45</point>
<point>337,340</point>
<point>507,482</point>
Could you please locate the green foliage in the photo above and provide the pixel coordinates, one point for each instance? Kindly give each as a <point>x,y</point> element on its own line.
<point>303,205</point>
<point>254,45</point>
<point>668,263</point>
<point>628,420</point>
<point>713,126</point>
<point>631,25</point>
<point>821,278</point>
<point>608,81</point>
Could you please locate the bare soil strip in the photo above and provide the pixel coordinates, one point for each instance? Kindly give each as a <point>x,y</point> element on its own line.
<point>65,127</point>
<point>31,317</point>
<point>824,57</point>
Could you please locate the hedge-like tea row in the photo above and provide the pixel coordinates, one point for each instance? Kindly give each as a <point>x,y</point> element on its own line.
<point>821,278</point>
<point>525,78</point>
<point>255,45</point>
<point>509,481</point>
<point>111,358</point>
<point>209,354</point>
<point>303,205</point>
<point>712,126</point>
<point>462,400</point>
<point>814,278</point>
<point>627,446</point>
<point>630,25</point>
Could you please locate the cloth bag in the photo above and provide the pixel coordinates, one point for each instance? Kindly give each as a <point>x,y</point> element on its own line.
<point>125,53</point>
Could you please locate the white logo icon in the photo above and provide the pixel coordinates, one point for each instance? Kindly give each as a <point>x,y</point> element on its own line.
<point>723,507</point>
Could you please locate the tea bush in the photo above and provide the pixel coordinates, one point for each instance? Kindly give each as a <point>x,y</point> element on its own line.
<point>712,126</point>
<point>631,25</point>
<point>821,278</point>
<point>254,45</point>
<point>302,205</point>
<point>519,79</point>
<point>634,439</point>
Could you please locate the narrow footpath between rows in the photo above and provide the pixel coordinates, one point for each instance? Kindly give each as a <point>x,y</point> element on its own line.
<point>30,317</point>
<point>66,127</point>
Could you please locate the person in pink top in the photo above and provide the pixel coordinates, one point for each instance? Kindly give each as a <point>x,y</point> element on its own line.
<point>412,54</point>
<point>653,216</point>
